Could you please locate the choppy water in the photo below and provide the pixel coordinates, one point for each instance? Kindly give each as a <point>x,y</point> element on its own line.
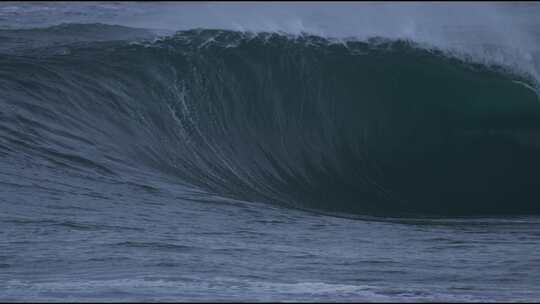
<point>155,160</point>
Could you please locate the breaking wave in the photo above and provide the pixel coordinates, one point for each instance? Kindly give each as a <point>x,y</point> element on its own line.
<point>373,127</point>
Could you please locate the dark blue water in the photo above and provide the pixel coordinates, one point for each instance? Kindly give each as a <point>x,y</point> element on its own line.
<point>223,165</point>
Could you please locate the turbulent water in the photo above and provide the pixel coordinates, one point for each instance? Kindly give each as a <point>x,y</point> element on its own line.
<point>217,164</point>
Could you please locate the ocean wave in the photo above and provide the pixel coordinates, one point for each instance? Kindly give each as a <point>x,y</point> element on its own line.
<point>371,127</point>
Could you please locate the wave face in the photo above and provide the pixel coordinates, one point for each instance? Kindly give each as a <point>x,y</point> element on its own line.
<point>377,127</point>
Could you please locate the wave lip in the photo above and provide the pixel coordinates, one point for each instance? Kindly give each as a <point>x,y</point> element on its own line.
<point>378,127</point>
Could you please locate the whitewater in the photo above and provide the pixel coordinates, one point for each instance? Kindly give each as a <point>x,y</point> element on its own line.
<point>269,151</point>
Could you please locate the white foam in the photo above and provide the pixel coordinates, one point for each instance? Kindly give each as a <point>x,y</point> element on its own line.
<point>492,33</point>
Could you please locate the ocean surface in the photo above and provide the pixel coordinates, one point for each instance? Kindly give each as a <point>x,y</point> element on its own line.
<point>269,152</point>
